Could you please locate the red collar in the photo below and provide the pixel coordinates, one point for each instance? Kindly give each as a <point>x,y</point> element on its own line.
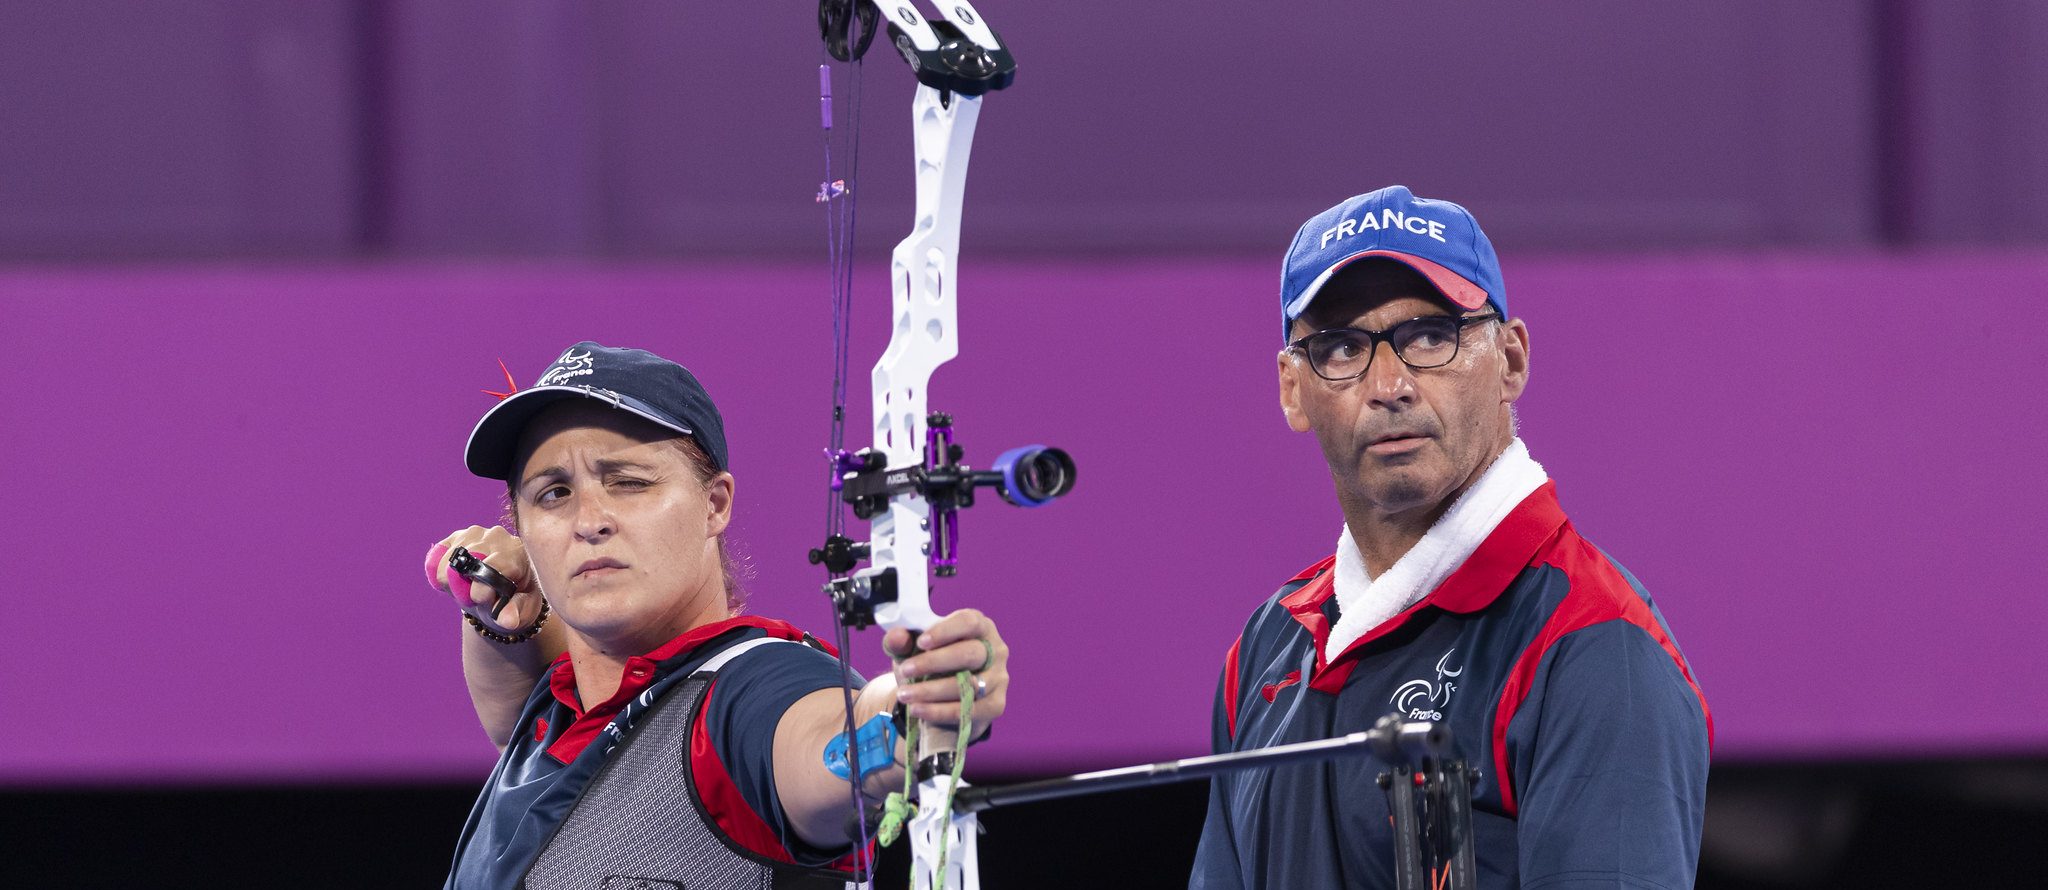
<point>641,670</point>
<point>1474,586</point>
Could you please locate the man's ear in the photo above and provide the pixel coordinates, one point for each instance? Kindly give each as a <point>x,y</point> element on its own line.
<point>1514,348</point>
<point>1290,391</point>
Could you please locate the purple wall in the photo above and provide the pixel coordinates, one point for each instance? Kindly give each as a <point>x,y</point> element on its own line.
<point>146,129</point>
<point>232,128</point>
<point>1825,468</point>
<point>1819,457</point>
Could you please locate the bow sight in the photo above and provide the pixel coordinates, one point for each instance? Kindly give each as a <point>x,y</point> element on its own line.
<point>1027,476</point>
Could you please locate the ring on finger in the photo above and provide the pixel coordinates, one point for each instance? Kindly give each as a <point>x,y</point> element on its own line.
<point>980,688</point>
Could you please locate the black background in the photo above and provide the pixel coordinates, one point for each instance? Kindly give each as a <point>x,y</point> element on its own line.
<point>1907,828</point>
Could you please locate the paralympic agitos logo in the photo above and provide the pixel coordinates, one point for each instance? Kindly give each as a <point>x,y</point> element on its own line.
<point>571,364</point>
<point>1426,699</point>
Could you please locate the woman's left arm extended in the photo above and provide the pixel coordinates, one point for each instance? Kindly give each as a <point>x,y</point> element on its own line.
<point>816,802</point>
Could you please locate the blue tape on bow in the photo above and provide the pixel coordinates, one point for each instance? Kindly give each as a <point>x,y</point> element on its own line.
<point>877,748</point>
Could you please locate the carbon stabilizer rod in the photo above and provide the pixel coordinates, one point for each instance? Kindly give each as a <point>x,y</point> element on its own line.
<point>981,797</point>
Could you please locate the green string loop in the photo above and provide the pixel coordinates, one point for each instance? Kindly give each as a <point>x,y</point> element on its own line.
<point>897,810</point>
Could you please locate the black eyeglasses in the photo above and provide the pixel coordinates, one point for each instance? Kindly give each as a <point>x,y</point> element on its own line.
<point>1421,343</point>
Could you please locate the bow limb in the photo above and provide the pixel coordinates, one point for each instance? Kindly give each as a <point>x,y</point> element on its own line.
<point>910,484</point>
<point>903,17</point>
<point>924,335</point>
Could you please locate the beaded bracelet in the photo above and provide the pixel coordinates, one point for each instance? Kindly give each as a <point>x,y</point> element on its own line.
<point>509,639</point>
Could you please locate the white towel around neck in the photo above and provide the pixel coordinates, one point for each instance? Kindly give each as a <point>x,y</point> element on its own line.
<point>1365,602</point>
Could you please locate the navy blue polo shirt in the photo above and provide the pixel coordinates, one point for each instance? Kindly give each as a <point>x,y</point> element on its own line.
<point>1560,682</point>
<point>559,745</point>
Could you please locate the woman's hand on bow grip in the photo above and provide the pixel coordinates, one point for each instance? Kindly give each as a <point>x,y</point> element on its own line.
<point>965,640</point>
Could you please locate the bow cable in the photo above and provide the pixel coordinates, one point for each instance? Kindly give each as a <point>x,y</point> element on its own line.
<point>840,217</point>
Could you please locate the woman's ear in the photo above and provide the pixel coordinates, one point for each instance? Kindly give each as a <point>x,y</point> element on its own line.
<point>719,492</point>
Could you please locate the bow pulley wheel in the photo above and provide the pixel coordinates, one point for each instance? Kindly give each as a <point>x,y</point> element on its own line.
<point>848,26</point>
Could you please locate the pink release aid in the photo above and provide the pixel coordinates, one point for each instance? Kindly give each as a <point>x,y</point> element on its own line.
<point>433,562</point>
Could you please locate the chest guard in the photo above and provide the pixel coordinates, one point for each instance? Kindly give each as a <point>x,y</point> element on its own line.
<point>641,825</point>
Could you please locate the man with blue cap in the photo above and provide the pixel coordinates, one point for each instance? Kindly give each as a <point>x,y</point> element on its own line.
<point>1458,593</point>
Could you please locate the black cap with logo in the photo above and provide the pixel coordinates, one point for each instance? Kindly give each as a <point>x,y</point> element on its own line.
<point>632,380</point>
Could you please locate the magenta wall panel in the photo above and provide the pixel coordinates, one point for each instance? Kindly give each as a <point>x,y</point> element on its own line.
<point>1826,468</point>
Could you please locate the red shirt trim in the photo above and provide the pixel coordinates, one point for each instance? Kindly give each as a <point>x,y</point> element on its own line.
<point>1598,593</point>
<point>1306,604</point>
<point>1272,690</point>
<point>722,800</point>
<point>640,672</point>
<point>1230,685</point>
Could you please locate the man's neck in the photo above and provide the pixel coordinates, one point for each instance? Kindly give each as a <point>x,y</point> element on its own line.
<point>1384,536</point>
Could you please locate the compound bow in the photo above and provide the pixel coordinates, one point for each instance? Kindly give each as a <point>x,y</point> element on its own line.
<point>911,484</point>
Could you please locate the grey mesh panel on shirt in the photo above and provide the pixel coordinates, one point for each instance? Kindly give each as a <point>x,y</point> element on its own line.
<point>641,826</point>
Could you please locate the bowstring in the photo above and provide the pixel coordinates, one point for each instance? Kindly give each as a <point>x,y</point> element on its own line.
<point>840,218</point>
